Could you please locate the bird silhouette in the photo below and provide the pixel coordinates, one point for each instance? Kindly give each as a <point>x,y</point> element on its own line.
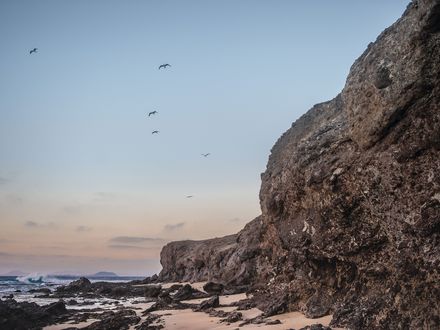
<point>164,66</point>
<point>33,50</point>
<point>155,132</point>
<point>152,113</point>
<point>189,196</point>
<point>206,155</point>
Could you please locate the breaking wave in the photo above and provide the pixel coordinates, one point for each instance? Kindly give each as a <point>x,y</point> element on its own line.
<point>35,278</point>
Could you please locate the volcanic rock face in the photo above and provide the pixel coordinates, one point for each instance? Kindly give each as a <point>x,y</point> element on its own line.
<point>230,259</point>
<point>350,198</point>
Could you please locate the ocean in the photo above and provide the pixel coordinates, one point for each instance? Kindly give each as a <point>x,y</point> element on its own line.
<point>20,286</point>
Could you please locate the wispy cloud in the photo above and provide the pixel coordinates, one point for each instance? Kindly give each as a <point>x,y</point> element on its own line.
<point>33,224</point>
<point>4,180</point>
<point>173,227</point>
<point>136,240</point>
<point>83,229</point>
<point>103,196</point>
<point>235,220</point>
<point>50,247</point>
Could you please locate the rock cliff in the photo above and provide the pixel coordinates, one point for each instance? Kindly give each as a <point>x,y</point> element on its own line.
<point>230,260</point>
<point>350,198</point>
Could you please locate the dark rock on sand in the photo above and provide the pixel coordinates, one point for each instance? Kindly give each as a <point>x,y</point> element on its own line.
<point>277,304</point>
<point>233,317</point>
<point>213,288</point>
<point>120,320</point>
<point>147,324</point>
<point>244,304</point>
<point>165,297</point>
<point>173,288</point>
<point>152,290</point>
<point>256,320</point>
<point>317,306</point>
<point>350,198</point>
<point>209,303</point>
<point>24,315</point>
<point>316,327</point>
<point>188,292</point>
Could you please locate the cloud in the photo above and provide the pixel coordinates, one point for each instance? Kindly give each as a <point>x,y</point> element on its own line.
<point>50,247</point>
<point>4,180</point>
<point>136,240</point>
<point>173,227</point>
<point>102,196</point>
<point>33,224</point>
<point>235,220</point>
<point>82,229</point>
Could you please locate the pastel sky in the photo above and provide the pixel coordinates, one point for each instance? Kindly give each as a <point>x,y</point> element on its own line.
<point>85,186</point>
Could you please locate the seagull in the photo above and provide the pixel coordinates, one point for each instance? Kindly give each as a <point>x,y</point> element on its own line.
<point>206,155</point>
<point>33,50</point>
<point>189,196</point>
<point>155,132</point>
<point>152,113</point>
<point>164,66</point>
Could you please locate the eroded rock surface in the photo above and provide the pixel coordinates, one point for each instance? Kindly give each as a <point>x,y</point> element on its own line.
<point>350,198</point>
<point>228,260</point>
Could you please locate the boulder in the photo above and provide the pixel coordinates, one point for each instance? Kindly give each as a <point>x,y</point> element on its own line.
<point>153,290</point>
<point>213,288</point>
<point>212,302</point>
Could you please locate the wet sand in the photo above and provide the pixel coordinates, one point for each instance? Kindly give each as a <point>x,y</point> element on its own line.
<point>186,319</point>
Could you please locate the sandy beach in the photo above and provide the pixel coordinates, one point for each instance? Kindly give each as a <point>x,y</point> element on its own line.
<point>189,318</point>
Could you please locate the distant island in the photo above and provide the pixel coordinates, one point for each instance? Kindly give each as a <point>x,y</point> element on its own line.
<point>15,273</point>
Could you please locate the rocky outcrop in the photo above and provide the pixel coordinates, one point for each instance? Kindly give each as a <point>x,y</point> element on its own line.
<point>24,315</point>
<point>350,198</point>
<point>230,260</point>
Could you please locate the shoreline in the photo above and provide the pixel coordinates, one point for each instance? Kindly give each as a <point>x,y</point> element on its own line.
<point>156,306</point>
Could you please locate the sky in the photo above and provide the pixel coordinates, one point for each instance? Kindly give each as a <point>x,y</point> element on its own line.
<point>84,184</point>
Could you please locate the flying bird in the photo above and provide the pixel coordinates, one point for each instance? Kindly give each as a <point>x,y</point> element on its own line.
<point>164,66</point>
<point>155,132</point>
<point>206,155</point>
<point>33,50</point>
<point>152,113</point>
<point>189,196</point>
